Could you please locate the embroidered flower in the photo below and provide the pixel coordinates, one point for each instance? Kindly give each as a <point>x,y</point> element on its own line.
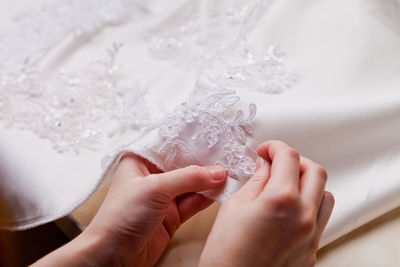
<point>239,127</point>
<point>69,113</point>
<point>169,149</point>
<point>236,161</point>
<point>205,110</point>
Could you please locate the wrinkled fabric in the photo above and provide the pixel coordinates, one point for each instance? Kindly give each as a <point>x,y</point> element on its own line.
<point>343,111</point>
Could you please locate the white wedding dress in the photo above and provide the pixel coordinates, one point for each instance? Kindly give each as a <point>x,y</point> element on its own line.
<point>197,82</point>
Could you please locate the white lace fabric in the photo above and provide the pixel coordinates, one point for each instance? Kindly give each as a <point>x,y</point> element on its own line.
<point>342,113</point>
<point>69,111</point>
<point>211,39</point>
<point>198,132</point>
<point>99,104</point>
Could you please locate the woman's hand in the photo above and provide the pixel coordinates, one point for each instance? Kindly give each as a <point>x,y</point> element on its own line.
<point>139,216</point>
<point>276,218</point>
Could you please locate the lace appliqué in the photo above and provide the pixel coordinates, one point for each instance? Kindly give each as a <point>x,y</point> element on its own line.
<point>204,113</point>
<point>69,113</point>
<point>212,41</point>
<point>247,70</point>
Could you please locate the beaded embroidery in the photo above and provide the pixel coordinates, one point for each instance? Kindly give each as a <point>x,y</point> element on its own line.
<point>68,113</point>
<point>213,42</point>
<point>203,115</point>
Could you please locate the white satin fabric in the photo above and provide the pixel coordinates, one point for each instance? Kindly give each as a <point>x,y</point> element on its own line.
<point>343,111</point>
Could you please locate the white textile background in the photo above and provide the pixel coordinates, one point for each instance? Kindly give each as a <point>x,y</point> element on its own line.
<point>343,112</point>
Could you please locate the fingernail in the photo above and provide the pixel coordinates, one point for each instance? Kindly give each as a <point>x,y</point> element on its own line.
<point>259,163</point>
<point>218,173</point>
<point>262,168</point>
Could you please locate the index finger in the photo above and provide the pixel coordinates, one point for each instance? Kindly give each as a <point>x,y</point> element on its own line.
<point>285,165</point>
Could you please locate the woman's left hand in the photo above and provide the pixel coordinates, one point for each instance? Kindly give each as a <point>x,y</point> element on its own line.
<point>140,214</point>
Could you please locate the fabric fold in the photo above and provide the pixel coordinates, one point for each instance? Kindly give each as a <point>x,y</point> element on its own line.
<point>200,131</point>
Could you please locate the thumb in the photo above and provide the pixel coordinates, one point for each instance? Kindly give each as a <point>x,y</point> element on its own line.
<point>190,179</point>
<point>131,165</point>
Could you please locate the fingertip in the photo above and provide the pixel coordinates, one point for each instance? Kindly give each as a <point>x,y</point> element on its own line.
<point>132,164</point>
<point>325,211</point>
<point>329,197</point>
<point>259,163</point>
<point>192,179</point>
<point>262,169</point>
<point>126,161</point>
<point>217,173</point>
<point>262,150</point>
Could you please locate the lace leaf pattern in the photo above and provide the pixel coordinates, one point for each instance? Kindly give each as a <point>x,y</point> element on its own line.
<point>240,126</point>
<point>203,114</point>
<point>250,71</point>
<point>212,41</point>
<point>69,112</point>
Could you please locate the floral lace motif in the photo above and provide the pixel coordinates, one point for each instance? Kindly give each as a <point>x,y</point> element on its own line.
<point>68,114</point>
<point>211,39</point>
<point>69,111</point>
<point>203,114</point>
<point>206,35</point>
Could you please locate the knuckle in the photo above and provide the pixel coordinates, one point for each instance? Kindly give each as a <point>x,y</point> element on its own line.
<point>193,168</point>
<point>286,199</point>
<point>293,153</point>
<point>321,172</point>
<point>277,144</point>
<point>197,171</point>
<point>306,225</point>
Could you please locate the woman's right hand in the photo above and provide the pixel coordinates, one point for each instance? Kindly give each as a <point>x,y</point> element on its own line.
<point>276,218</point>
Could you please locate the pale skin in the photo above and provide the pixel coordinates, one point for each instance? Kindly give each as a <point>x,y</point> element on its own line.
<point>275,219</point>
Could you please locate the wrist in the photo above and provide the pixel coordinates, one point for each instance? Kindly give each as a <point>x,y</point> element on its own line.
<point>91,249</point>
<point>84,250</point>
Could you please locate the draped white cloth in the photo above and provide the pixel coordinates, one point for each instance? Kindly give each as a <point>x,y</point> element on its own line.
<point>342,111</point>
